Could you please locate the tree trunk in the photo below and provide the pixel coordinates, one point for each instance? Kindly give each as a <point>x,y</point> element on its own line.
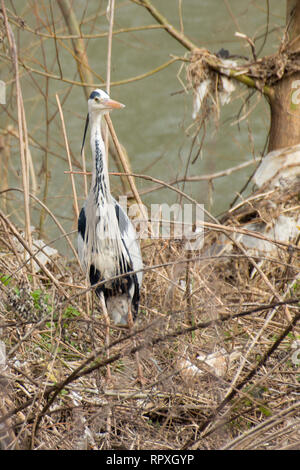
<point>285,107</point>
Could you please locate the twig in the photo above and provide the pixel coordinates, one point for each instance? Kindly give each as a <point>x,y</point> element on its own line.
<point>69,157</point>
<point>188,179</point>
<point>78,43</point>
<point>217,225</point>
<point>45,164</point>
<point>125,166</point>
<point>213,61</point>
<point>83,370</point>
<point>180,16</point>
<point>46,209</point>
<point>23,137</point>
<point>179,36</point>
<point>85,36</point>
<point>97,85</point>
<point>265,425</point>
<point>250,42</point>
<point>111,11</point>
<point>248,377</point>
<point>28,249</point>
<point>196,179</point>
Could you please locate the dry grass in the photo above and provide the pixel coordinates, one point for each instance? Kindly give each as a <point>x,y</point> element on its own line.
<point>248,399</point>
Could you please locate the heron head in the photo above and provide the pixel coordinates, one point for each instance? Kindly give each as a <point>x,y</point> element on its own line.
<point>100,102</point>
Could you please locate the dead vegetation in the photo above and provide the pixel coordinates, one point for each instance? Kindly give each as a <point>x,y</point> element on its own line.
<point>217,330</point>
<point>264,71</point>
<point>216,343</point>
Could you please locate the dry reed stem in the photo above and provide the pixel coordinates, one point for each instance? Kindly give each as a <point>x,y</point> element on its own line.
<point>111,12</point>
<point>69,158</point>
<point>22,128</point>
<point>125,166</point>
<point>261,428</point>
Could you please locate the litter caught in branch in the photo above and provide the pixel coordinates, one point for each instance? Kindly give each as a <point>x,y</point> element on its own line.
<point>210,89</point>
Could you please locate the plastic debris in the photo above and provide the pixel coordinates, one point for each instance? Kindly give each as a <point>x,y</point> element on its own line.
<point>278,167</point>
<point>42,251</point>
<point>199,95</point>
<point>217,363</point>
<point>207,87</point>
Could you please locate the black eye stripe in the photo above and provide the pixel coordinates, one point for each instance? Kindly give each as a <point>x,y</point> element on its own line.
<point>94,94</point>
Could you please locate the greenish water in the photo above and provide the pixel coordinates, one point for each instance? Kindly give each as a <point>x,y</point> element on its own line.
<point>153,126</point>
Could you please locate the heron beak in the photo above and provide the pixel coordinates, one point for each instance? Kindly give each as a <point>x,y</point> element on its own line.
<point>112,104</point>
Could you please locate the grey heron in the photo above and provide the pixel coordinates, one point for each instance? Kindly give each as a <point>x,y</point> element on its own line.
<point>107,241</point>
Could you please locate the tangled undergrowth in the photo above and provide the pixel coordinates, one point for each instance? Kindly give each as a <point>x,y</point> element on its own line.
<point>216,334</point>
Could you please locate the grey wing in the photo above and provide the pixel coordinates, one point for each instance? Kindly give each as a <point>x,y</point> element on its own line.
<point>130,239</point>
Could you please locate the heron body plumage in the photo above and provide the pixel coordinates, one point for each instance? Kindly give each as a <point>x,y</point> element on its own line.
<point>107,241</point>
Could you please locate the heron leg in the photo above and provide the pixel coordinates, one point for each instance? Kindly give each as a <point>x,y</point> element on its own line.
<point>140,376</point>
<point>107,334</point>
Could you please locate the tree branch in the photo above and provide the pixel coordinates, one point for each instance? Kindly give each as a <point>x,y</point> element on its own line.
<point>214,62</point>
<point>180,37</point>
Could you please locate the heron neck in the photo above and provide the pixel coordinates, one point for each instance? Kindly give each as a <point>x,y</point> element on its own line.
<point>100,180</point>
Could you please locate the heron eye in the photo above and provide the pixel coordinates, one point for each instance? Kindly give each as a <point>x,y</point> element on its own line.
<point>97,99</point>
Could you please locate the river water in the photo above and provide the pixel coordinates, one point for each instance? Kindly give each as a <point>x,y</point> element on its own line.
<point>155,123</point>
